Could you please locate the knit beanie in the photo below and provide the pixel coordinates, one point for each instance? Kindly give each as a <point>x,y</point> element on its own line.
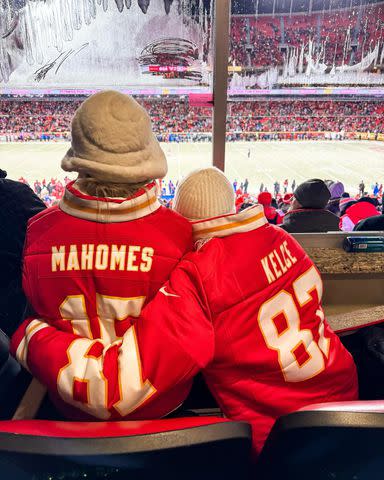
<point>112,140</point>
<point>313,193</point>
<point>205,193</point>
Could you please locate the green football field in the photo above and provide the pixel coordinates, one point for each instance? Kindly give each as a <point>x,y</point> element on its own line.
<point>348,161</point>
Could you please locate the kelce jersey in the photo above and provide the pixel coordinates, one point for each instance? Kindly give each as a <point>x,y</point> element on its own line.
<point>245,307</point>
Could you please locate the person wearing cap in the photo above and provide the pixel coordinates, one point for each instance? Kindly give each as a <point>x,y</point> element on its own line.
<point>18,204</point>
<point>284,204</point>
<point>308,209</point>
<point>245,307</point>
<point>109,245</point>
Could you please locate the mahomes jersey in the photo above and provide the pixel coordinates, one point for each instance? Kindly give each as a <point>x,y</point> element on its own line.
<point>245,308</point>
<point>90,264</point>
<point>89,261</point>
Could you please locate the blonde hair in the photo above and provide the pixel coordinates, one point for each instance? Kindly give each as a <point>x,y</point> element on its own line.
<point>100,189</point>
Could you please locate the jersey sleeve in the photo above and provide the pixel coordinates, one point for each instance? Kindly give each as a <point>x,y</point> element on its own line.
<point>167,345</point>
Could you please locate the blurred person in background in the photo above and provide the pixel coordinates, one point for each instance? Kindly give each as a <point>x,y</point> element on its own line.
<point>273,216</point>
<point>308,212</point>
<point>355,212</point>
<point>362,188</point>
<point>336,189</point>
<point>371,224</point>
<point>284,203</point>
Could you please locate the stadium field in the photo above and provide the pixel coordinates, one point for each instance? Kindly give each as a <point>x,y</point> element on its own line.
<point>347,161</point>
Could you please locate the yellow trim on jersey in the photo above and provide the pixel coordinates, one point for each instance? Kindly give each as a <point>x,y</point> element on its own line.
<point>109,212</point>
<point>245,221</point>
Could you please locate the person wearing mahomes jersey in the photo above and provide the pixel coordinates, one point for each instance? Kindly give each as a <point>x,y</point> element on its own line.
<point>245,307</point>
<point>109,246</point>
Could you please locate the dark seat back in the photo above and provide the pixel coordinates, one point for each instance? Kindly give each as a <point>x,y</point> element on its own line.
<point>195,447</point>
<point>330,441</point>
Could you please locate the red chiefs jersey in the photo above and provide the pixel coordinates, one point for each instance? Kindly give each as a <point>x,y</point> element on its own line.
<point>89,264</point>
<point>245,308</point>
<point>82,256</point>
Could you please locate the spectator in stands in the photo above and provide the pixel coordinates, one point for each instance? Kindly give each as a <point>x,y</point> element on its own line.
<point>336,189</point>
<point>284,203</point>
<point>370,224</point>
<point>219,303</point>
<point>50,119</point>
<point>346,202</point>
<point>355,212</point>
<point>18,205</point>
<point>307,212</point>
<point>272,215</point>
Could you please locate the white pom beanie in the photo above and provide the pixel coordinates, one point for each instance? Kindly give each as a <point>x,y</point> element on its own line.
<point>204,193</point>
<point>112,140</point>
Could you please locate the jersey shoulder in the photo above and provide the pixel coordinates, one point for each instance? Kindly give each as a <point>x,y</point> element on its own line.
<point>43,219</point>
<point>175,218</point>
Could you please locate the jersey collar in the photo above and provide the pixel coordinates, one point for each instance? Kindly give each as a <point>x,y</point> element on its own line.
<point>110,210</point>
<point>245,221</point>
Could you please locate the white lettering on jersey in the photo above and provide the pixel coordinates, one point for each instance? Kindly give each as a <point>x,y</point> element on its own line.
<point>277,262</point>
<point>131,258</point>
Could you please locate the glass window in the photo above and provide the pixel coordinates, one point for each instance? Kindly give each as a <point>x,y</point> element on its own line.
<point>54,53</point>
<point>305,98</point>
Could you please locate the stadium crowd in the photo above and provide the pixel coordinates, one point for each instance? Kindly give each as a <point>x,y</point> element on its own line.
<point>45,120</point>
<point>342,36</point>
<point>278,204</point>
<point>319,206</point>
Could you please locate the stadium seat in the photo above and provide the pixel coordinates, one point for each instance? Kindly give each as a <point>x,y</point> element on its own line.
<point>326,441</point>
<point>170,448</point>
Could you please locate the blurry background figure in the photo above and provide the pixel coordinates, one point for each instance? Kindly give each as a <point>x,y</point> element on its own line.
<point>362,188</point>
<point>355,212</point>
<point>18,205</point>
<point>371,224</point>
<point>307,212</point>
<point>284,203</point>
<point>336,189</point>
<point>272,215</point>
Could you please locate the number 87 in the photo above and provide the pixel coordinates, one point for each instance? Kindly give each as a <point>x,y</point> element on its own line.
<point>292,342</point>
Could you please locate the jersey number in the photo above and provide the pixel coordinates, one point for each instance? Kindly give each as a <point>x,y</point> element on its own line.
<point>81,382</point>
<point>299,356</point>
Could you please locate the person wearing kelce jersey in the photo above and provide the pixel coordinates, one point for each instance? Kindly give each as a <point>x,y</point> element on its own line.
<point>245,307</point>
<point>109,245</point>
